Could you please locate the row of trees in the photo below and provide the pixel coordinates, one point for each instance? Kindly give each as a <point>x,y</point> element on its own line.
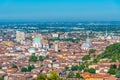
<point>78,68</point>
<point>83,68</point>
<point>51,76</point>
<point>90,53</point>
<point>24,69</point>
<point>34,58</point>
<point>28,69</point>
<point>73,75</point>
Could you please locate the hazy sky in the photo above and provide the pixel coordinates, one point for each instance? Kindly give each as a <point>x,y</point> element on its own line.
<point>59,9</point>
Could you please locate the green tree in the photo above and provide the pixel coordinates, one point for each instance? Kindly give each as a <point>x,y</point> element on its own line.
<point>111,53</point>
<point>1,78</point>
<point>113,60</point>
<point>78,76</point>
<point>74,68</point>
<point>30,67</point>
<point>119,67</point>
<point>112,71</point>
<point>66,68</point>
<point>81,67</point>
<point>118,74</point>
<point>92,51</point>
<point>14,66</point>
<point>41,58</point>
<point>71,75</point>
<point>23,69</point>
<point>86,57</point>
<point>95,60</point>
<point>41,77</point>
<point>53,76</point>
<point>113,66</point>
<point>86,70</point>
<point>92,70</point>
<point>33,58</point>
<point>0,67</point>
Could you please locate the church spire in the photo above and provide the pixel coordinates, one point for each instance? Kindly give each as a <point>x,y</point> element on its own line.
<point>88,41</point>
<point>106,33</point>
<point>87,35</point>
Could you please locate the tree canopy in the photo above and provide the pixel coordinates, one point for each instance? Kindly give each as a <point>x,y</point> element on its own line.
<point>28,69</point>
<point>92,51</point>
<point>33,58</point>
<point>14,66</point>
<point>1,78</point>
<point>111,53</point>
<point>53,75</point>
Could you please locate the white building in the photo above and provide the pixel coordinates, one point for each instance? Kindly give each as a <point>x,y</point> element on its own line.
<point>20,36</point>
<point>55,35</point>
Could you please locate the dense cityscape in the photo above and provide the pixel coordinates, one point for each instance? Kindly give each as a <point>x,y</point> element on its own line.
<point>59,39</point>
<point>60,51</point>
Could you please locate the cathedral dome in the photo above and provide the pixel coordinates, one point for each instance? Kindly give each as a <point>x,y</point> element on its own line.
<point>37,40</point>
<point>87,44</point>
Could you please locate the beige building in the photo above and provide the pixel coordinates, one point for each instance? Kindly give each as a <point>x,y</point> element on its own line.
<point>20,37</point>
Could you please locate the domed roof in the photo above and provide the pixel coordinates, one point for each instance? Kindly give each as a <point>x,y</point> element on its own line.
<point>109,37</point>
<point>32,50</point>
<point>86,45</point>
<point>37,39</point>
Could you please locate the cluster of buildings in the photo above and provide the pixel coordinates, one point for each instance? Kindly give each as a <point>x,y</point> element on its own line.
<point>60,54</point>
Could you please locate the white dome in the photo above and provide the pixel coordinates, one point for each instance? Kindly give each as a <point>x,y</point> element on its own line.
<point>86,45</point>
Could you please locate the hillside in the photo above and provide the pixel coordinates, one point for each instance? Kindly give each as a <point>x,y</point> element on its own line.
<point>111,54</point>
